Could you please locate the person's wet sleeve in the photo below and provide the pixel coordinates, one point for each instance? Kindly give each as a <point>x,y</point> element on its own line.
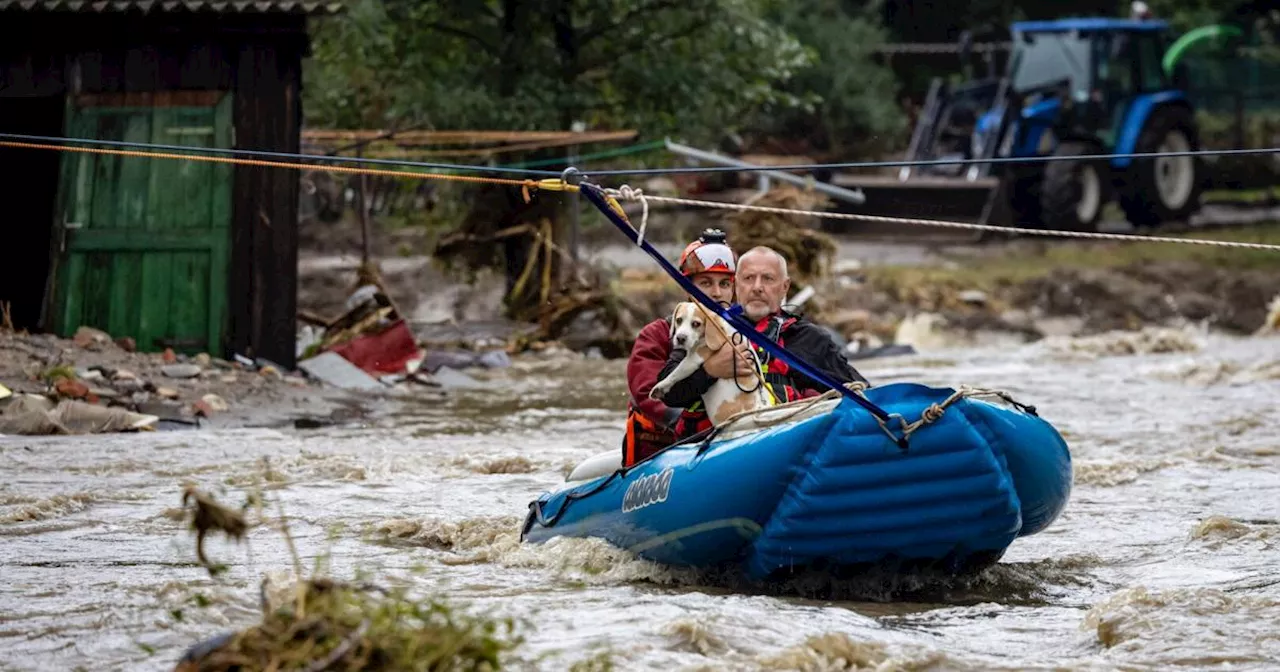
<point>689,391</point>
<point>648,356</point>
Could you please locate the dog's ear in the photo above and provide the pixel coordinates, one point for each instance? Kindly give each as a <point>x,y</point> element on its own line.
<point>671,333</point>
<point>712,331</point>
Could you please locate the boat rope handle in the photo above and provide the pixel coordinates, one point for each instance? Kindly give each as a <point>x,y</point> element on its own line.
<point>934,412</point>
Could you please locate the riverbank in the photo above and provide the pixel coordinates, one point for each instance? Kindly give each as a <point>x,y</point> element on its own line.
<point>107,383</point>
<point>918,291</point>
<point>1038,288</point>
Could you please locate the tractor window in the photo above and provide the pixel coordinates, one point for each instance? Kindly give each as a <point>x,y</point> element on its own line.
<point>1115,61</point>
<point>1042,59</point>
<point>1150,69</point>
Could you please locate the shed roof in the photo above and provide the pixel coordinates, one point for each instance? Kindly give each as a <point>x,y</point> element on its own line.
<point>174,6</point>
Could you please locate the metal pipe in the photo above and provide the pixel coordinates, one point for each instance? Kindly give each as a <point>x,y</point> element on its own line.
<point>838,193</point>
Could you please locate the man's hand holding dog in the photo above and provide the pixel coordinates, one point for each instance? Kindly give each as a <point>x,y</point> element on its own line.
<point>721,362</point>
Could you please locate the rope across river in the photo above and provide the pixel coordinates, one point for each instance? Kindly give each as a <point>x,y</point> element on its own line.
<point>628,193</point>
<point>623,192</point>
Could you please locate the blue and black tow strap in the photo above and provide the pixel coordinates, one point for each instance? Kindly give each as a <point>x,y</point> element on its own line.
<point>733,315</point>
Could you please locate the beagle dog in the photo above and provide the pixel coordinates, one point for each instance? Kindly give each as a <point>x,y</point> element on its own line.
<point>700,333</point>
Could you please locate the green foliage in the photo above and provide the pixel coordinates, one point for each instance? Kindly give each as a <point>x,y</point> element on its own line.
<point>695,67</point>
<point>1185,15</point>
<point>843,101</point>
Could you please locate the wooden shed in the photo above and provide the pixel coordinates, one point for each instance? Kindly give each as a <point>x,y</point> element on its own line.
<point>196,256</point>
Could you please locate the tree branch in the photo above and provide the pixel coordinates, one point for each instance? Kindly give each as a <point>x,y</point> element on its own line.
<point>645,42</point>
<point>470,37</point>
<point>597,31</point>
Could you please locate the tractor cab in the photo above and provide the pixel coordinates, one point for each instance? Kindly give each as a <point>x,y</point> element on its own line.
<point>1072,88</point>
<point>1085,75</point>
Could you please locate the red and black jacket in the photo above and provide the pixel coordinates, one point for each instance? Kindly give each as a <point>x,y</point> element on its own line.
<point>650,423</point>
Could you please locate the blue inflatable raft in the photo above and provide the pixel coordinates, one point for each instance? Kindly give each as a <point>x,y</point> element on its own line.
<point>823,483</point>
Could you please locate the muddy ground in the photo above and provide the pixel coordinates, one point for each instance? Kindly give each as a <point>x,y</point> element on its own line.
<point>189,391</point>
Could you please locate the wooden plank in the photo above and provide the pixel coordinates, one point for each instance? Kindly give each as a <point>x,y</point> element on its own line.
<point>95,307</point>
<point>102,214</point>
<point>166,200</point>
<point>264,236</point>
<point>188,301</point>
<point>220,229</point>
<point>72,294</point>
<point>133,196</point>
<point>190,127</point>
<point>342,136</point>
<point>223,175</point>
<point>150,99</point>
<point>140,241</point>
<point>157,177</point>
<point>65,210</point>
<point>262,285</point>
<point>157,281</point>
<point>124,289</point>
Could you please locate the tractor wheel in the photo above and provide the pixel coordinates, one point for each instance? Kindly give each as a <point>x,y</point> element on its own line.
<point>1073,191</point>
<point>1168,187</point>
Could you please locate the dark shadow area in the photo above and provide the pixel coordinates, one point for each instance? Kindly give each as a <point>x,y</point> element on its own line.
<point>28,192</point>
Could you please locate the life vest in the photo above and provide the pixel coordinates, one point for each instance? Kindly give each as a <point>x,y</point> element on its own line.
<point>694,419</point>
<point>776,372</point>
<point>643,438</point>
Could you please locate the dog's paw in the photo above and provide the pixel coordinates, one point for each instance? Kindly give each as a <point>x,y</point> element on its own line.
<point>658,392</point>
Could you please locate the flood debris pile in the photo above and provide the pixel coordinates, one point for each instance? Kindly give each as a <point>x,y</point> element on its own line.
<point>338,626</point>
<point>569,302</point>
<point>810,253</point>
<point>371,346</point>
<point>324,624</point>
<point>93,383</point>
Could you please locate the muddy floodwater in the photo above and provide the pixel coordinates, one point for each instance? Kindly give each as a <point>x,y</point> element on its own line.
<point>1166,557</point>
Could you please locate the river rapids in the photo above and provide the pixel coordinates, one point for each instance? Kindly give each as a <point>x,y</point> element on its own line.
<point>1166,557</point>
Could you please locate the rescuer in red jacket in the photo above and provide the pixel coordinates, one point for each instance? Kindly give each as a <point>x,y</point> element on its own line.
<point>710,264</point>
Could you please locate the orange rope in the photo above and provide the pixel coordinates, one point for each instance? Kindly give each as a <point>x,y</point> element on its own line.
<point>524,184</point>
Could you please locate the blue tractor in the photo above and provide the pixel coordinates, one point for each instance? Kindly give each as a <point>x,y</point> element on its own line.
<point>1084,88</point>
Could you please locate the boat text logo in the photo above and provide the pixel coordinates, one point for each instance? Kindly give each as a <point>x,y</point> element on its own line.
<point>647,491</point>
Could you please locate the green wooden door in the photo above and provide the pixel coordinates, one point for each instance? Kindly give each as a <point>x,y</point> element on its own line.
<point>144,246</point>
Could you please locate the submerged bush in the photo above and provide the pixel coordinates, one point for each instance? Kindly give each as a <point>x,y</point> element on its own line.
<point>344,627</point>
<point>324,624</point>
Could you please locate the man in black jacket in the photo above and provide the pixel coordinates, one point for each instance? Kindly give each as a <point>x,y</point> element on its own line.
<point>762,284</point>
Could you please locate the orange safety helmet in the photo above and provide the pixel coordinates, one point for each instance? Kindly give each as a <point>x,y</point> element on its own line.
<point>708,254</point>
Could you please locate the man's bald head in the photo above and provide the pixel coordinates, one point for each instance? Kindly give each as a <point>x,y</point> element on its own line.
<point>768,252</point>
<point>762,282</point>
